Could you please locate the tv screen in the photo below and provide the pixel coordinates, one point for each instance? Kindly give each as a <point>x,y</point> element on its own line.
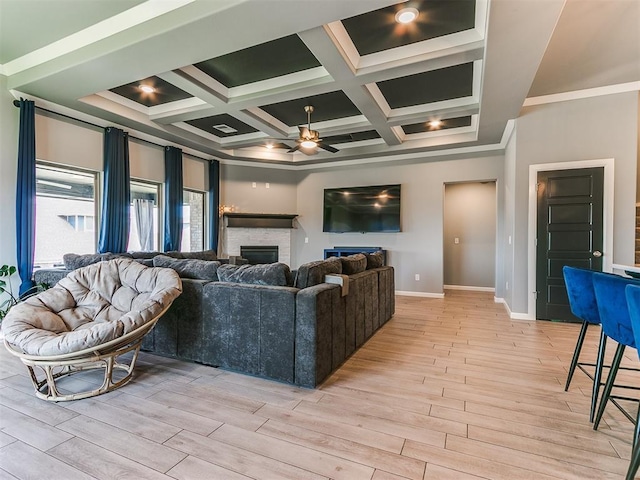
<point>362,209</point>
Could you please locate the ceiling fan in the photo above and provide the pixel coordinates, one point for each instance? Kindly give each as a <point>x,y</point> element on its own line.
<point>309,140</point>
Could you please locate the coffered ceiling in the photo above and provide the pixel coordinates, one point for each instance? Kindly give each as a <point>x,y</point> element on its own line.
<point>232,77</point>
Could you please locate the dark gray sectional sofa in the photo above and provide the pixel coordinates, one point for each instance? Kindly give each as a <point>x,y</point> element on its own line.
<point>266,321</point>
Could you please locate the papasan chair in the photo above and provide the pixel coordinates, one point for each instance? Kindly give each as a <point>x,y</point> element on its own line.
<point>87,321</point>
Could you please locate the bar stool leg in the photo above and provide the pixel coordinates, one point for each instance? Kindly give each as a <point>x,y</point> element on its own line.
<point>576,353</point>
<point>635,463</point>
<point>615,364</point>
<point>635,454</point>
<point>597,376</point>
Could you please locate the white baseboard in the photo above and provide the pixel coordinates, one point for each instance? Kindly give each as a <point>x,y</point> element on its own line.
<point>512,315</point>
<point>469,288</point>
<point>419,294</point>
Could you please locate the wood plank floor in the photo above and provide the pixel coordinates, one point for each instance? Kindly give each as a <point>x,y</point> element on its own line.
<point>448,389</point>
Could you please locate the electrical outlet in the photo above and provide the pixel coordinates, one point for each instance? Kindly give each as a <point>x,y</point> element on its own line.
<point>509,239</point>
<point>507,286</point>
<point>306,239</point>
<point>254,185</point>
<point>266,185</point>
<point>456,240</point>
<point>417,277</point>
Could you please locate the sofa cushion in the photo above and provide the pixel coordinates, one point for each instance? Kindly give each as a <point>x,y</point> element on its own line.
<point>144,255</point>
<point>73,261</point>
<point>202,255</point>
<point>147,262</point>
<point>276,274</point>
<point>354,264</point>
<point>313,273</point>
<point>189,268</point>
<point>149,255</point>
<point>374,260</point>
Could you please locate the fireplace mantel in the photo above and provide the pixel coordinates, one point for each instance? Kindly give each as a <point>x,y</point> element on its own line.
<point>260,220</point>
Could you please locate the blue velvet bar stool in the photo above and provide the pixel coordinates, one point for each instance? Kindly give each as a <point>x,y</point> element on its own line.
<point>616,324</point>
<point>633,302</point>
<point>582,300</point>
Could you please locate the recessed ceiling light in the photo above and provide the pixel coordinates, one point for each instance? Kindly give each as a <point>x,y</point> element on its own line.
<point>147,88</point>
<point>269,146</point>
<point>308,144</point>
<point>435,123</point>
<point>407,15</point>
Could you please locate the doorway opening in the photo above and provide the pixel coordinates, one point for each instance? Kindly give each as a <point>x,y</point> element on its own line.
<point>469,243</point>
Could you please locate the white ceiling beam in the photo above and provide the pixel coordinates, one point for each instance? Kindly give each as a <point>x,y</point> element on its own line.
<point>332,57</point>
<point>422,113</point>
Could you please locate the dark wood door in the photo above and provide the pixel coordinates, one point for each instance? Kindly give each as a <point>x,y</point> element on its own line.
<point>569,232</point>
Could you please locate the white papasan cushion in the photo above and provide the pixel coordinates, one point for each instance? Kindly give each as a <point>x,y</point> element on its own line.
<point>91,306</point>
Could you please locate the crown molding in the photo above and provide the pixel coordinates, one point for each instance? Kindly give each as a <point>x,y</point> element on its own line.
<point>580,94</point>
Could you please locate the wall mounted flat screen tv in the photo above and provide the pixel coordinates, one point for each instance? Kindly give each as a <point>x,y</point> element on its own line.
<point>362,209</point>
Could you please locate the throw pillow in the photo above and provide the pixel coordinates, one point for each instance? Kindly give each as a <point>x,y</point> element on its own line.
<point>144,255</point>
<point>354,264</point>
<point>276,274</point>
<point>374,260</point>
<point>189,268</point>
<point>313,273</point>
<point>203,255</point>
<point>73,261</point>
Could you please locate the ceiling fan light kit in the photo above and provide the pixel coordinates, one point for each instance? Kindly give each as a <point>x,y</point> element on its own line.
<point>309,140</point>
<point>407,15</point>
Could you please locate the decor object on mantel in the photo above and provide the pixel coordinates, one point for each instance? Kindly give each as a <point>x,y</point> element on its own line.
<point>260,220</point>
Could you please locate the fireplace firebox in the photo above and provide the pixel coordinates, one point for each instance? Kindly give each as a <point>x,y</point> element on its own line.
<point>257,254</point>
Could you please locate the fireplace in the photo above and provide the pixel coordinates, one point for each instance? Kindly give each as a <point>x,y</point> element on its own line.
<point>259,253</point>
<point>258,229</point>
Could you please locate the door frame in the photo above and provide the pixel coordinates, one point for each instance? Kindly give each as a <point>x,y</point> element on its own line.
<point>607,221</point>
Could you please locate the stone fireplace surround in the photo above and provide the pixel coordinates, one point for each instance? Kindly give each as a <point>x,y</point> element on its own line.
<point>244,229</point>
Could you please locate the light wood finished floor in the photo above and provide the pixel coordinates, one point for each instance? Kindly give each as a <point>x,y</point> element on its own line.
<point>448,389</point>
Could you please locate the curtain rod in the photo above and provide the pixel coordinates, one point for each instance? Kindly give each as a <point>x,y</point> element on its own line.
<point>16,103</point>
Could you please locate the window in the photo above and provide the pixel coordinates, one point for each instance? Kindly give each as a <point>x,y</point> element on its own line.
<point>192,221</point>
<point>65,214</point>
<point>143,217</point>
<point>81,223</point>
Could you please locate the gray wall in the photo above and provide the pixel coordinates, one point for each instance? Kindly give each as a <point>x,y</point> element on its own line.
<point>237,189</point>
<point>238,192</point>
<point>509,236</point>
<point>418,248</point>
<point>470,216</point>
<point>586,129</point>
<point>9,122</point>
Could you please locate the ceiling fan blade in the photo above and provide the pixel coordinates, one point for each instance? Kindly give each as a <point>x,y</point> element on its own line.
<point>327,147</point>
<point>294,149</point>
<point>281,143</point>
<point>340,138</point>
<point>304,132</point>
